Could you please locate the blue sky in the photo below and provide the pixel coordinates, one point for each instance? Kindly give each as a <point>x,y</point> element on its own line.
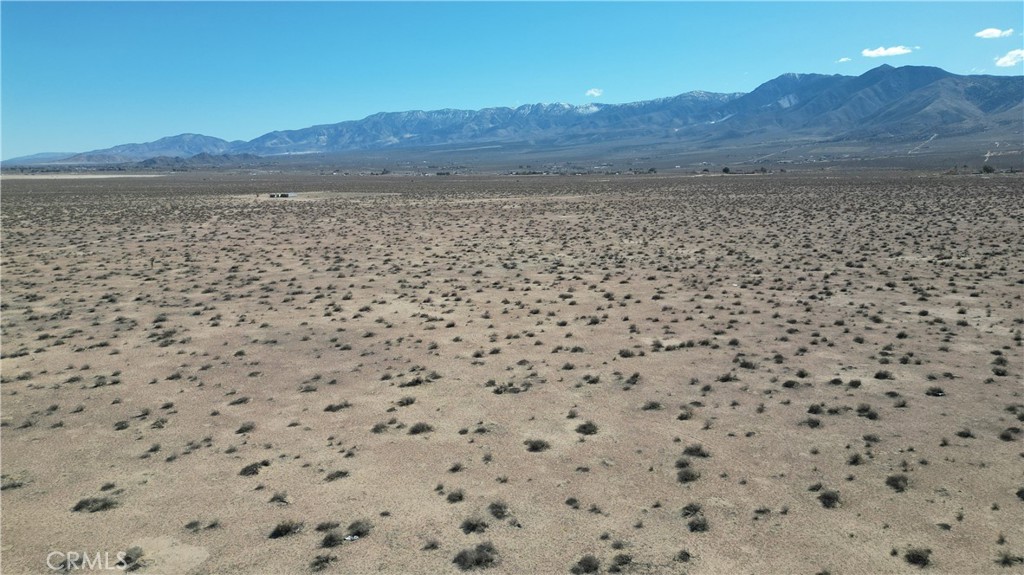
<point>80,76</point>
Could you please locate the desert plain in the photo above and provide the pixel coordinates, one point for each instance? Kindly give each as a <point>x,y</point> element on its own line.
<point>795,372</point>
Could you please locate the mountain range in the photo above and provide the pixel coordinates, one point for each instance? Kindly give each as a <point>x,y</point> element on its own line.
<point>885,104</point>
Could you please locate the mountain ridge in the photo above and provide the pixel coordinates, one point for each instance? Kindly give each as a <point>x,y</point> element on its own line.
<point>882,104</point>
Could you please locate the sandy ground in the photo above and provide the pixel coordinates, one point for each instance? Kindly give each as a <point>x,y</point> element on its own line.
<point>192,365</point>
<point>61,176</point>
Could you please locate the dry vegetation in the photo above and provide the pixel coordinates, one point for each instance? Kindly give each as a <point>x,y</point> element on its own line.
<point>784,373</point>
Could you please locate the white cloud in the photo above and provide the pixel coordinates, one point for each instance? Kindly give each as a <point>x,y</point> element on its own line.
<point>994,33</point>
<point>1012,58</point>
<point>594,93</point>
<point>843,60</point>
<point>882,51</point>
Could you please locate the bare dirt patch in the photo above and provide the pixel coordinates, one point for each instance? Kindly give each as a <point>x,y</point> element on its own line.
<point>65,176</point>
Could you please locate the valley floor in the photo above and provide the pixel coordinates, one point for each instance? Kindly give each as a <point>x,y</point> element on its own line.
<point>783,373</point>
